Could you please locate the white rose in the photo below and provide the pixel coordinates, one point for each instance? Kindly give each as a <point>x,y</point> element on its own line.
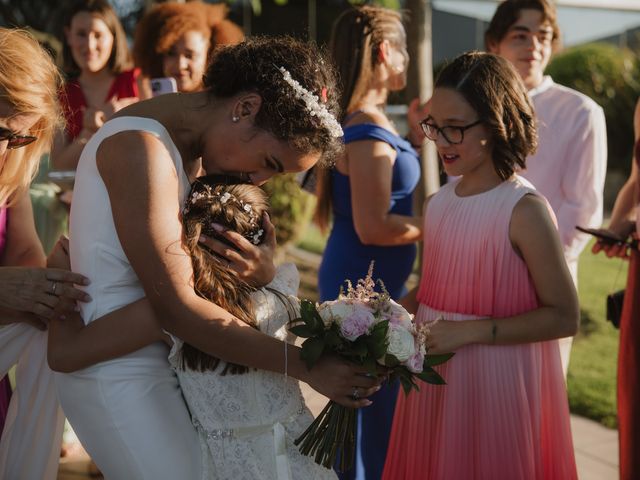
<point>402,343</point>
<point>397,314</point>
<point>334,311</point>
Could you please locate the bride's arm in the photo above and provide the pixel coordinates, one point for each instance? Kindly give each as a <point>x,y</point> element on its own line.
<point>143,190</point>
<point>73,346</point>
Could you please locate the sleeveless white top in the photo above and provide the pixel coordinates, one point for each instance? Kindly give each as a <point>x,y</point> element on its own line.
<point>96,251</point>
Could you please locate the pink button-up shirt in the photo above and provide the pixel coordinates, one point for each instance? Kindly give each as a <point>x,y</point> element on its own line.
<point>570,164</point>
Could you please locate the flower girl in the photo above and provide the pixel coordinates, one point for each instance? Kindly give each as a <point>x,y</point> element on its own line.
<point>246,419</point>
<point>495,278</point>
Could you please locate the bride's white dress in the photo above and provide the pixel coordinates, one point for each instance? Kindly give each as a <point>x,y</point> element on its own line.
<point>247,423</point>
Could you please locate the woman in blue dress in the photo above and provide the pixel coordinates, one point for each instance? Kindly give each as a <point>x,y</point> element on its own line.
<point>369,191</point>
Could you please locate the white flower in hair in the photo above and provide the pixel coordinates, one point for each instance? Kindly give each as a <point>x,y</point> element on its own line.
<point>314,107</point>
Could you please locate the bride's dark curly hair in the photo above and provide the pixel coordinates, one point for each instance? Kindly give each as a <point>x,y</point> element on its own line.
<point>253,66</point>
<point>238,207</point>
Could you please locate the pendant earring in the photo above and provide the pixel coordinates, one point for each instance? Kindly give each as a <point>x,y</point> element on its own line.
<point>235,119</point>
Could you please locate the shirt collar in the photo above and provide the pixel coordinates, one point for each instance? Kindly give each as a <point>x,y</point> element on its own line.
<point>547,82</point>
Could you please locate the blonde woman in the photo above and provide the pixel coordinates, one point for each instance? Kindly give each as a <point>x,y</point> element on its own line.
<point>30,293</point>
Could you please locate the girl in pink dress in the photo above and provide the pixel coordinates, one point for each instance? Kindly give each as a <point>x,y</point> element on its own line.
<point>497,292</point>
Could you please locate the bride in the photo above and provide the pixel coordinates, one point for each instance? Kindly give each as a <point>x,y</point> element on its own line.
<point>268,108</point>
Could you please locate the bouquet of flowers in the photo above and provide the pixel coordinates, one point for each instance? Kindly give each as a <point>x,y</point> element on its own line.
<point>370,329</point>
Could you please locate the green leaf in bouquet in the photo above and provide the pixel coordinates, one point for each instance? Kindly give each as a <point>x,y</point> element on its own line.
<point>391,361</point>
<point>302,331</point>
<point>431,360</point>
<point>332,339</point>
<point>371,365</point>
<point>311,317</point>
<point>429,375</point>
<point>377,340</point>
<point>407,385</point>
<point>312,349</point>
<point>359,348</point>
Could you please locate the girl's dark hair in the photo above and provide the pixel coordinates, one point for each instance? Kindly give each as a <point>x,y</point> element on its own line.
<point>253,66</point>
<point>490,84</point>
<point>355,42</point>
<point>508,13</point>
<point>225,204</point>
<point>120,59</point>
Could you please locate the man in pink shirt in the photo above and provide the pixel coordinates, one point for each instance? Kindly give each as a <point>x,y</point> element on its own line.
<point>570,164</point>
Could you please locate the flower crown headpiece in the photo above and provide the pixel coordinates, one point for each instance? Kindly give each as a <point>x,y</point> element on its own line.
<point>254,235</point>
<point>314,107</point>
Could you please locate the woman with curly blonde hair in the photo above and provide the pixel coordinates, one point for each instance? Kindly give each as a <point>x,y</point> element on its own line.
<point>30,294</point>
<point>177,39</point>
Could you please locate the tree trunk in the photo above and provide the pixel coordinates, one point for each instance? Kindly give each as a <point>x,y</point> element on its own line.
<point>420,84</point>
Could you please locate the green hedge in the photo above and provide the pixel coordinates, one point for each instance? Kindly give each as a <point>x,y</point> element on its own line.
<point>610,76</point>
<point>291,208</point>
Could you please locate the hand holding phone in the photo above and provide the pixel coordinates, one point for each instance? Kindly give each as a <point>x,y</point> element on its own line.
<point>162,85</point>
<point>609,238</point>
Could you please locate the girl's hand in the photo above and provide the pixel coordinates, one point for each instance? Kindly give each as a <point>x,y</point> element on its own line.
<point>252,263</point>
<point>446,336</point>
<point>343,382</point>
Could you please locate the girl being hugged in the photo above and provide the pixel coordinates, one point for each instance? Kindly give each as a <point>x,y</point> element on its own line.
<point>496,290</point>
<point>242,415</point>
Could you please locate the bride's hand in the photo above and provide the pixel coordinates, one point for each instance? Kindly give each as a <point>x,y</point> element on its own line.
<point>252,263</point>
<point>343,382</point>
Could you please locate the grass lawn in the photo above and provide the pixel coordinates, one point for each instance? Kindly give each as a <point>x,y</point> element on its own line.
<point>592,371</point>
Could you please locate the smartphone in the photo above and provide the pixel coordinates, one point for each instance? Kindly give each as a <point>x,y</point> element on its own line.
<point>63,178</point>
<point>162,85</point>
<point>608,238</point>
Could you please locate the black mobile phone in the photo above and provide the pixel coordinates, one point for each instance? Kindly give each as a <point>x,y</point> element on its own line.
<point>609,238</point>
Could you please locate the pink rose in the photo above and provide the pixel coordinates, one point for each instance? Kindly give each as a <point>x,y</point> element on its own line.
<point>397,315</point>
<point>415,362</point>
<point>357,323</point>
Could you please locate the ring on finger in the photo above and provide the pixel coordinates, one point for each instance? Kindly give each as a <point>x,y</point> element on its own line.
<point>356,393</point>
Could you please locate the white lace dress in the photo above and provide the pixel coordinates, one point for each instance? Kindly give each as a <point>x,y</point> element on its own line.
<point>247,423</point>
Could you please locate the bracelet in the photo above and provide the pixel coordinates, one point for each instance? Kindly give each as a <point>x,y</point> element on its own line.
<point>494,331</point>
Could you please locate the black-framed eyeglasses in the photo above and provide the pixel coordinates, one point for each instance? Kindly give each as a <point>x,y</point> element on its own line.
<point>15,140</point>
<point>453,135</point>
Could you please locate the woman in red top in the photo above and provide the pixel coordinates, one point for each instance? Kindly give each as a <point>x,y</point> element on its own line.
<point>97,60</point>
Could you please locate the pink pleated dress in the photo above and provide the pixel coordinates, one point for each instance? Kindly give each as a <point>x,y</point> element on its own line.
<point>504,411</point>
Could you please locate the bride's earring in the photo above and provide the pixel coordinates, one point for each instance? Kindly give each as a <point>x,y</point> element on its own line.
<point>235,119</point>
